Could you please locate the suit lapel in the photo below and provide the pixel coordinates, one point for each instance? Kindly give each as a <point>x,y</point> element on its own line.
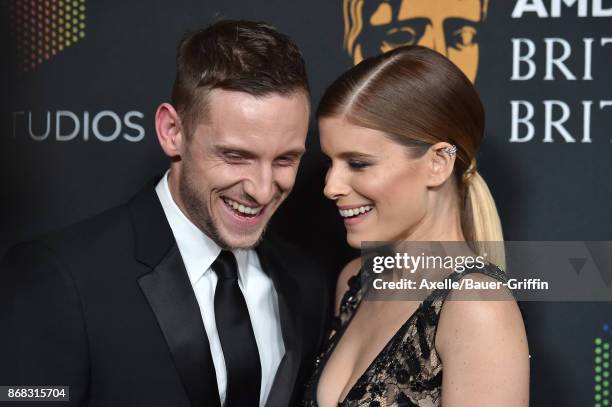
<point>171,297</point>
<point>288,304</point>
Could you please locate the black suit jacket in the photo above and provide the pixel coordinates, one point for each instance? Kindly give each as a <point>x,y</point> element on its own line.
<point>107,308</point>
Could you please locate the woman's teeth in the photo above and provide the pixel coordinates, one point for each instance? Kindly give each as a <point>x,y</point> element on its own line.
<point>348,213</point>
<point>246,210</point>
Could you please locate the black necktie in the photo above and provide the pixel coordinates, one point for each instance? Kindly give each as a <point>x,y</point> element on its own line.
<point>236,335</point>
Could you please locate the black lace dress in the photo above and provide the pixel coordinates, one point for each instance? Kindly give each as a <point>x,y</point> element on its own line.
<point>408,371</point>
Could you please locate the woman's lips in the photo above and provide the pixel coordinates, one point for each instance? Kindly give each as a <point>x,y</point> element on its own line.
<point>356,214</point>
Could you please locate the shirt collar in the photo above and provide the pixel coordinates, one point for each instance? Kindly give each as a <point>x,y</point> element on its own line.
<point>197,249</point>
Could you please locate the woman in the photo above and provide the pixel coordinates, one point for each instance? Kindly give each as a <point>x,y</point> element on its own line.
<point>402,131</point>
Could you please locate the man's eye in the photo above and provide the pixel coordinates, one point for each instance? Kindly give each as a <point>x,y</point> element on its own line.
<point>286,161</point>
<point>233,157</point>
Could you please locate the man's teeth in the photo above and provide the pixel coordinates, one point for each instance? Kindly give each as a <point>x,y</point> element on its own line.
<point>347,213</point>
<point>241,208</point>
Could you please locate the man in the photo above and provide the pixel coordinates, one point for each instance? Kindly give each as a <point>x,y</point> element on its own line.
<point>447,26</point>
<point>174,299</point>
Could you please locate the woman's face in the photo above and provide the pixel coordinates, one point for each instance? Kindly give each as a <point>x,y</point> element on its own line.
<point>380,191</point>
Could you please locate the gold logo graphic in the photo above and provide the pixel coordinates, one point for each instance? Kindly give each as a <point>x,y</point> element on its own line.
<point>43,28</point>
<point>447,26</point>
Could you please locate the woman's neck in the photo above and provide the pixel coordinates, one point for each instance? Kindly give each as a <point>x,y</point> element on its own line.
<point>442,222</point>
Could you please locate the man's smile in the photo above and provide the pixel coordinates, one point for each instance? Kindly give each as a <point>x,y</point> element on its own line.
<point>243,209</point>
<point>242,218</point>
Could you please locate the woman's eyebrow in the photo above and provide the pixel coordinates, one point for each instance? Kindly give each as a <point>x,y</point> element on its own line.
<point>355,154</point>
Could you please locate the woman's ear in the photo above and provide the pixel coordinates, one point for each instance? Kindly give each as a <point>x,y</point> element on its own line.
<point>441,158</point>
<point>169,130</point>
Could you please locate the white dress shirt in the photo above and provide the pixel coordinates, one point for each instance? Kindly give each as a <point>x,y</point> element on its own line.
<point>199,252</point>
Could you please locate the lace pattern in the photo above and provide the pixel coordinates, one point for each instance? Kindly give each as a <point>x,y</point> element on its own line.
<point>408,371</point>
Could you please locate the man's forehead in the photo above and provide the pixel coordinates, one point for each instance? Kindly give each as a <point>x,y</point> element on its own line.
<point>255,142</point>
<point>240,121</point>
<point>225,104</point>
<point>433,9</point>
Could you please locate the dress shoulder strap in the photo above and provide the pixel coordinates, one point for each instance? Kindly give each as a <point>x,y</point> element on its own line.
<point>490,270</point>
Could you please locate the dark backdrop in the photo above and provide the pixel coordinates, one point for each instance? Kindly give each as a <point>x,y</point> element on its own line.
<point>123,61</point>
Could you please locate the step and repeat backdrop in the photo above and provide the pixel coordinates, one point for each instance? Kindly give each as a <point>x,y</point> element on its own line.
<point>81,79</point>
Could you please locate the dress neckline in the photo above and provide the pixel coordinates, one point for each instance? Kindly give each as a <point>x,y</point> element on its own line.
<point>400,331</point>
<point>338,336</point>
<point>422,319</point>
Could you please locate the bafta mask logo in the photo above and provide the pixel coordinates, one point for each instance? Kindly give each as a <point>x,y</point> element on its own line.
<point>447,26</point>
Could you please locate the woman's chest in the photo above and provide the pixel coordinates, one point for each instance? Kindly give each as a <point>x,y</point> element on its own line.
<point>374,327</point>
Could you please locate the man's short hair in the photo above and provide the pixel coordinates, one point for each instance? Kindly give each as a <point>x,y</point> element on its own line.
<point>243,56</point>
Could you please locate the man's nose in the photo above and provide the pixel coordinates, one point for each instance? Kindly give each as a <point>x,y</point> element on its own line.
<point>260,184</point>
<point>335,185</point>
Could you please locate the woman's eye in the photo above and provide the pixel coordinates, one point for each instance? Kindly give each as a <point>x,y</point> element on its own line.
<point>358,165</point>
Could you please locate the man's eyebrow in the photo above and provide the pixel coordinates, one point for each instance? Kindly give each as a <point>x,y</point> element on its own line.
<point>224,148</point>
<point>296,152</point>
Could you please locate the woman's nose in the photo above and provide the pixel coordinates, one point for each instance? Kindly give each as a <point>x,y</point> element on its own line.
<point>335,185</point>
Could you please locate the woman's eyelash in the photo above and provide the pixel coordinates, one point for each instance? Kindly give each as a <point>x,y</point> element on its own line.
<point>357,164</point>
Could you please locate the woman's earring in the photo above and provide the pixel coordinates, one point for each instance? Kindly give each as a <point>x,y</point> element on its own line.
<point>451,151</point>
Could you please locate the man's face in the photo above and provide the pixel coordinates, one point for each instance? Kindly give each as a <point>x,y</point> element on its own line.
<point>447,26</point>
<point>241,162</point>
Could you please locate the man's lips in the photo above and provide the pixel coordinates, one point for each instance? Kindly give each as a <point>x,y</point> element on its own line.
<point>242,217</point>
<point>243,210</point>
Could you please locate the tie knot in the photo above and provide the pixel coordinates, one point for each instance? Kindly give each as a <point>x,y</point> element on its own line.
<point>225,266</point>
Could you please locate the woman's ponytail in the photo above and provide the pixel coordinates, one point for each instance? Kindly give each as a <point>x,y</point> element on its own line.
<point>481,223</point>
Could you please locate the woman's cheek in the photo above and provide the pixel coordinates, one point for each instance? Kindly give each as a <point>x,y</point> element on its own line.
<point>405,202</point>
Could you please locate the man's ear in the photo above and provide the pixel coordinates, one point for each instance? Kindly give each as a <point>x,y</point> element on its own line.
<point>169,130</point>
<point>441,163</point>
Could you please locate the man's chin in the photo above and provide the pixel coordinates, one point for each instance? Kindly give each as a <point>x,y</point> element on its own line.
<point>235,231</point>
<point>229,241</point>
<point>241,243</point>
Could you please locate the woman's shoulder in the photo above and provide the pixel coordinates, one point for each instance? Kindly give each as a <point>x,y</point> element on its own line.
<point>482,343</point>
<point>482,295</point>
<point>483,312</point>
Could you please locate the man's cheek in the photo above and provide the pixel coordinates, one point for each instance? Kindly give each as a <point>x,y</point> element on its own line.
<point>225,173</point>
<point>285,188</point>
<point>287,180</point>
